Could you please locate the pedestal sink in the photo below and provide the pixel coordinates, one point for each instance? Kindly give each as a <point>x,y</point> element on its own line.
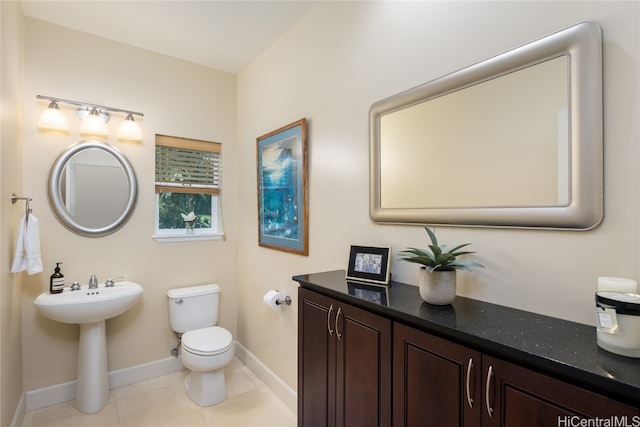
<point>90,308</point>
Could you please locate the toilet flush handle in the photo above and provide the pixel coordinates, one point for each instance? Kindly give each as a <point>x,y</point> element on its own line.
<point>178,301</point>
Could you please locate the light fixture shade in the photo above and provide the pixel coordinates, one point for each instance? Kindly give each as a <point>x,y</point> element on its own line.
<point>94,125</point>
<point>129,130</point>
<point>52,119</point>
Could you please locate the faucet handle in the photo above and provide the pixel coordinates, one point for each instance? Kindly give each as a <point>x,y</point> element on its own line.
<point>109,282</point>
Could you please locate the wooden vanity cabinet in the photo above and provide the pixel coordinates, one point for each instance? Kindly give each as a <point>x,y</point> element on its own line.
<point>344,360</point>
<point>474,364</point>
<point>517,396</point>
<point>440,383</point>
<point>435,382</point>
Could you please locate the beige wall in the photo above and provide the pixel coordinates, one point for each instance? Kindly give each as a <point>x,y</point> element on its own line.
<point>343,56</point>
<point>177,98</point>
<point>11,51</point>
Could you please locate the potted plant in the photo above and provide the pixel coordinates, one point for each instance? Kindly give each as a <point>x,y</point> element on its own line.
<point>437,280</point>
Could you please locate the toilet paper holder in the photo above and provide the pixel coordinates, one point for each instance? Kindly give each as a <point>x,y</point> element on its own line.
<point>276,300</point>
<point>286,300</point>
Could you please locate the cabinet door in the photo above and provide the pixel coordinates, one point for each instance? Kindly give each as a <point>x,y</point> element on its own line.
<point>363,368</point>
<point>316,360</point>
<point>518,397</point>
<point>435,382</point>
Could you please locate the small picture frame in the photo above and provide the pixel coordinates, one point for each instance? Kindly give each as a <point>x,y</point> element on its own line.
<point>369,264</point>
<point>378,294</point>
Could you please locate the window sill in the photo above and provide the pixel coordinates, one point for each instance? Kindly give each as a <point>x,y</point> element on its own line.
<point>188,238</point>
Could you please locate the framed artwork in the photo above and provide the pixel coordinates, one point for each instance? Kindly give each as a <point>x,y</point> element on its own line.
<point>283,217</point>
<point>378,294</point>
<point>369,264</point>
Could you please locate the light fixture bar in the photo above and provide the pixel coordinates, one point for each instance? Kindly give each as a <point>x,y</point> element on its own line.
<point>86,104</point>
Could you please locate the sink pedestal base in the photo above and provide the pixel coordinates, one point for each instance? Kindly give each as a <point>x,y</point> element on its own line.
<point>92,386</point>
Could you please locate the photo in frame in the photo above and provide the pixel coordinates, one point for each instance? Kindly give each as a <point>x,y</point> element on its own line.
<point>283,218</point>
<point>378,294</point>
<point>369,264</point>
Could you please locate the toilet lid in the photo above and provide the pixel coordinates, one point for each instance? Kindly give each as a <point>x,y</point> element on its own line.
<point>207,341</point>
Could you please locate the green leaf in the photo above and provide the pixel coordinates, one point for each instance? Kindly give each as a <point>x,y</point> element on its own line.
<point>436,251</point>
<point>452,250</point>
<point>457,254</point>
<point>466,264</point>
<point>432,236</point>
<point>445,259</point>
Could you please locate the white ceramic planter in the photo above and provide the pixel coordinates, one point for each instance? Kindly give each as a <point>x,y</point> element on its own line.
<point>437,287</point>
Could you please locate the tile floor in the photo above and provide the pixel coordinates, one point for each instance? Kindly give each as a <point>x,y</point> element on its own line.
<point>163,402</point>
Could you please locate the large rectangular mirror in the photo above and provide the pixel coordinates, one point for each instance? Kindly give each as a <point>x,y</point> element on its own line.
<point>513,141</point>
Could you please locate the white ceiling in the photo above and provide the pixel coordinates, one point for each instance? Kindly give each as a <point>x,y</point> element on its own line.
<point>225,35</point>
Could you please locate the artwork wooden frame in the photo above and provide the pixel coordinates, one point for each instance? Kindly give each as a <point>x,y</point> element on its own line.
<point>369,264</point>
<point>283,214</point>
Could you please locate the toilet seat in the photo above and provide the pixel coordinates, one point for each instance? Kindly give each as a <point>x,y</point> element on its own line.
<point>207,341</point>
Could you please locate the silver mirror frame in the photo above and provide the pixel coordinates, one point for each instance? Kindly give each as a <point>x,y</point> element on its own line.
<point>582,43</point>
<point>55,196</point>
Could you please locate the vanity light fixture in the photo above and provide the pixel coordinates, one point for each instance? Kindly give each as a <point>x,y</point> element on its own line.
<point>52,119</point>
<point>94,119</point>
<point>94,124</point>
<point>129,129</point>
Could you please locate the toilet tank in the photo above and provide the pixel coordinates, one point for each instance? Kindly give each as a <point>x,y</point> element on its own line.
<point>193,307</point>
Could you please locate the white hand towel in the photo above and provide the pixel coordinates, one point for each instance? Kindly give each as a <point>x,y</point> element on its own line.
<point>19,259</point>
<point>27,255</point>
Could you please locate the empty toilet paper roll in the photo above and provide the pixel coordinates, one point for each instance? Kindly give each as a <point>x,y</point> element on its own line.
<point>271,299</point>
<point>617,284</point>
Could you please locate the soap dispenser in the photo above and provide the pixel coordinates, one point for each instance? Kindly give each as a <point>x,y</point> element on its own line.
<point>56,281</point>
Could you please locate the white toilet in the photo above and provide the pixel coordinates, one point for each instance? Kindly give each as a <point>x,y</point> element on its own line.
<point>206,349</point>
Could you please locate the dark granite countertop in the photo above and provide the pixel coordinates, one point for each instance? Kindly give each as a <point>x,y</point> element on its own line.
<point>559,348</point>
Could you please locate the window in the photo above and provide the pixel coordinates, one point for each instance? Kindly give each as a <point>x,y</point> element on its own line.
<point>188,173</point>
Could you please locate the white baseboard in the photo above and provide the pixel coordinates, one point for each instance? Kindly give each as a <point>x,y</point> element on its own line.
<point>59,393</point>
<point>51,395</point>
<point>65,392</point>
<point>268,377</point>
<point>146,371</point>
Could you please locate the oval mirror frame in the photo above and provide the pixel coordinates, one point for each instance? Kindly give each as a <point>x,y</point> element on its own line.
<point>582,44</point>
<point>55,193</point>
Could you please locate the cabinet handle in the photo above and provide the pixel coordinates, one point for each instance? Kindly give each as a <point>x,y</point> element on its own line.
<point>338,317</point>
<point>470,400</point>
<point>486,392</point>
<point>329,320</point>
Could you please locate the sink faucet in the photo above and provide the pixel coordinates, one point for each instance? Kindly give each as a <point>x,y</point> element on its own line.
<point>109,282</point>
<point>93,282</point>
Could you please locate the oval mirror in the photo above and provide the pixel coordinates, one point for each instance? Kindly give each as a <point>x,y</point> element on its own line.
<point>92,189</point>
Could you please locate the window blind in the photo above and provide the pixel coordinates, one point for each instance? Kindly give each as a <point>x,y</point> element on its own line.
<point>187,165</point>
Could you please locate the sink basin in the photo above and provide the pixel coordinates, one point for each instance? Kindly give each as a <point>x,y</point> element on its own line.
<point>90,308</point>
<point>88,305</point>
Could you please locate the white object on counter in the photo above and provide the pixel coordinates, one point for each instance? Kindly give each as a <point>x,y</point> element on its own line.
<point>624,312</point>
<point>617,284</point>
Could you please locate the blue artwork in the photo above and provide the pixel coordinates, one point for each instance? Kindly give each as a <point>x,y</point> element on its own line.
<point>281,190</point>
